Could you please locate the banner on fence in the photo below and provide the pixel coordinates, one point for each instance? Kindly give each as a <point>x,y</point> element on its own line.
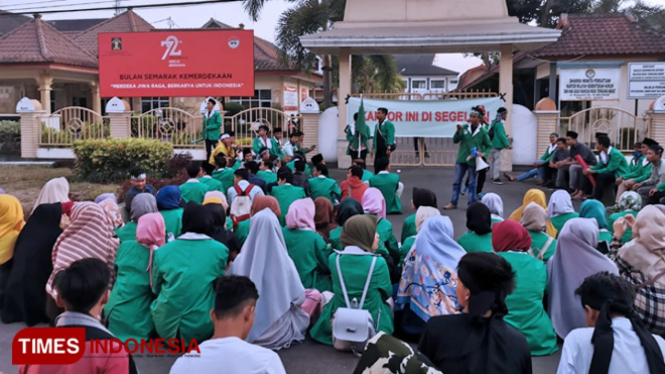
<point>177,63</point>
<point>427,119</point>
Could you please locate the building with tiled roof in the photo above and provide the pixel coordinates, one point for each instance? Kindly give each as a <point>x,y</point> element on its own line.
<point>422,76</point>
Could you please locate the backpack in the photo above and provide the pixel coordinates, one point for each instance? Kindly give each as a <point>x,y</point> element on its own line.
<point>241,206</point>
<point>490,132</point>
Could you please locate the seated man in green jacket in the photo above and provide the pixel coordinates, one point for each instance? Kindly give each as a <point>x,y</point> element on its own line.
<point>223,173</point>
<point>640,170</point>
<point>323,186</point>
<point>266,172</point>
<point>193,189</point>
<point>286,193</point>
<point>208,180</point>
<point>389,185</point>
<point>612,164</point>
<point>541,167</point>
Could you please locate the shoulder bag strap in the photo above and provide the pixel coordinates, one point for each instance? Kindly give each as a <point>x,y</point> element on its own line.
<point>369,278</point>
<point>341,281</point>
<point>651,281</point>
<point>544,249</point>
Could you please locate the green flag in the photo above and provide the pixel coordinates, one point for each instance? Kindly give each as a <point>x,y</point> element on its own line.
<point>361,127</point>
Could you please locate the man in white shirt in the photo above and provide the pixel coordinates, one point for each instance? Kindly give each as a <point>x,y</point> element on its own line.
<point>615,342</point>
<point>241,179</point>
<point>227,351</point>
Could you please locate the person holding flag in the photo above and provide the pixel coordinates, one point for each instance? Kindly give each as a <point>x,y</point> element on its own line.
<point>358,136</point>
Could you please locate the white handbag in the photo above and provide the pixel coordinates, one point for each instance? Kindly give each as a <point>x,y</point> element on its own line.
<point>353,326</point>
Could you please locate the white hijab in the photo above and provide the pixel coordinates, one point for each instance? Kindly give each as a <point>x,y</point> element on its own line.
<point>265,260</point>
<point>494,203</point>
<point>560,203</point>
<point>54,191</point>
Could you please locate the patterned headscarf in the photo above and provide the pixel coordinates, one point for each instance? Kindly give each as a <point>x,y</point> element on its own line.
<point>113,211</point>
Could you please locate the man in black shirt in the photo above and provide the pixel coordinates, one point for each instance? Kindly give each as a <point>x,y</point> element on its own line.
<point>574,170</point>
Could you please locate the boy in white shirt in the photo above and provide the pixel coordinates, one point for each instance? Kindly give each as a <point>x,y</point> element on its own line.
<point>227,351</point>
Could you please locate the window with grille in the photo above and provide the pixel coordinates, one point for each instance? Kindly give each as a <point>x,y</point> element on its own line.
<point>150,103</point>
<point>261,99</point>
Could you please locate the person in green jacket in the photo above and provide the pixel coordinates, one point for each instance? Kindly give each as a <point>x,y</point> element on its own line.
<point>359,238</point>
<point>640,170</point>
<point>300,157</point>
<point>384,135</point>
<point>170,206</point>
<point>276,142</point>
<point>419,197</point>
<point>595,209</point>
<point>323,186</point>
<point>560,209</point>
<point>346,209</point>
<point>262,141</point>
<point>212,127</point>
<point>612,165</point>
<point>389,185</point>
<point>534,219</point>
<point>286,193</point>
<point>366,173</point>
<point>184,274</point>
<point>629,204</point>
<point>266,172</point>
<point>207,179</point>
<point>306,247</point>
<point>542,167</point>
<point>128,309</point>
<point>479,223</point>
<point>223,173</point>
<point>358,141</point>
<point>374,205</point>
<point>193,189</point>
<point>473,142</point>
<point>499,142</point>
<point>525,304</point>
<point>142,204</point>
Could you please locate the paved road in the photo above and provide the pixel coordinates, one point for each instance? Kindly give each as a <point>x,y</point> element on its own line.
<point>311,357</point>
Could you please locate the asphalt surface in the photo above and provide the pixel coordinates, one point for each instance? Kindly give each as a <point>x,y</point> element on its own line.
<point>311,357</point>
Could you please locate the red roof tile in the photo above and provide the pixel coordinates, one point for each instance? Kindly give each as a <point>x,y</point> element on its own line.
<point>38,42</point>
<point>124,22</point>
<point>602,34</point>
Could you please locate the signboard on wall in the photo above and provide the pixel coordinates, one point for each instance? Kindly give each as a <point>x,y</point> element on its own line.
<point>589,83</point>
<point>433,119</point>
<point>177,63</point>
<point>290,99</point>
<point>303,94</point>
<point>646,80</point>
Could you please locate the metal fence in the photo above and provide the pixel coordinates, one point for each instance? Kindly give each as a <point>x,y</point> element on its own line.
<point>174,125</point>
<point>64,126</point>
<point>246,123</point>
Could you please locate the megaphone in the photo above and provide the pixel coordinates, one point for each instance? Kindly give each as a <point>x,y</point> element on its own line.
<point>481,164</point>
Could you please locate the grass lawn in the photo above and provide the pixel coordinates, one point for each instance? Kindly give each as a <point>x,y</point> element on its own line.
<point>25,181</point>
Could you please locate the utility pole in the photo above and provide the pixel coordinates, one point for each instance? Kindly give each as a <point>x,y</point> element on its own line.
<point>118,5</point>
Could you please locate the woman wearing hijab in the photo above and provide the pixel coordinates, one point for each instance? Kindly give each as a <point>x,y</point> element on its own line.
<point>630,203</point>
<point>525,305</point>
<point>346,209</point>
<point>359,240</point>
<point>105,196</point>
<point>184,273</point>
<point>641,261</point>
<point>26,295</point>
<point>170,205</point>
<point>560,209</point>
<point>596,210</point>
<point>479,223</point>
<point>375,205</point>
<point>219,231</point>
<point>478,341</point>
<point>324,218</point>
<point>279,321</point>
<point>128,309</point>
<point>112,210</point>
<point>143,203</point>
<point>54,191</point>
<point>534,196</point>
<point>90,235</point>
<point>222,198</point>
<point>422,214</point>
<point>421,197</point>
<point>534,219</point>
<point>575,258</point>
<point>306,247</point>
<point>495,205</point>
<point>11,223</point>
<point>259,203</point>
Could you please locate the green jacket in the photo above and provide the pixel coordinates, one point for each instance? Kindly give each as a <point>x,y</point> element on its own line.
<point>500,140</point>
<point>628,235</point>
<point>547,156</point>
<point>126,232</point>
<point>616,163</point>
<point>276,148</point>
<point>538,240</point>
<point>191,191</point>
<point>212,128</point>
<point>212,184</point>
<point>257,145</point>
<point>408,227</point>
<point>388,183</point>
<point>367,175</point>
<point>639,172</point>
<point>242,231</point>
<point>173,222</point>
<point>387,131</point>
<point>472,242</point>
<point>286,194</point>
<point>559,220</point>
<point>184,274</point>
<point>309,253</point>
<point>324,187</point>
<point>225,176</point>
<point>353,140</point>
<point>128,309</point>
<point>385,230</point>
<point>292,165</point>
<point>267,176</point>
<point>407,244</point>
<point>467,141</point>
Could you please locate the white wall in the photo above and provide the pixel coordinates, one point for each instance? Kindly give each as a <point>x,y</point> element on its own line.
<point>328,134</point>
<point>524,135</point>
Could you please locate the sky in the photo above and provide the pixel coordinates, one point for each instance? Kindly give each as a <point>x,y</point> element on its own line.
<point>194,16</point>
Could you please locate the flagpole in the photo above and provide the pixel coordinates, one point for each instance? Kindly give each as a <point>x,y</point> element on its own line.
<point>358,132</point>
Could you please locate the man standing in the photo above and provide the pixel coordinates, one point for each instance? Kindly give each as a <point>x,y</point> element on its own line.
<point>612,164</point>
<point>358,137</point>
<point>500,141</point>
<point>212,124</point>
<point>573,167</point>
<point>384,135</point>
<point>653,189</point>
<point>473,142</point>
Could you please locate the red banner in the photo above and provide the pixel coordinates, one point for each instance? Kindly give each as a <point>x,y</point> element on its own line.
<point>177,63</point>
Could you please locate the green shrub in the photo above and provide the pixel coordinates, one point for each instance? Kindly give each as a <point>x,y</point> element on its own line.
<point>10,137</point>
<point>109,160</point>
<point>53,136</point>
<point>232,109</point>
<point>145,126</point>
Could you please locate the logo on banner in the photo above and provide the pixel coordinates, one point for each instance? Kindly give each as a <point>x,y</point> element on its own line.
<point>590,73</point>
<point>234,42</point>
<point>171,44</point>
<point>116,44</point>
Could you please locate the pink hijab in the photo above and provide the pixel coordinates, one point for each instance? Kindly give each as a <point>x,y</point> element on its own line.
<point>301,215</point>
<point>151,233</point>
<point>373,202</point>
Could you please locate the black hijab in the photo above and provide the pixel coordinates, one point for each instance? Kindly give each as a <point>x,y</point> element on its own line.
<point>423,197</point>
<point>197,219</point>
<point>479,218</point>
<point>348,208</point>
<point>25,297</point>
<point>218,232</point>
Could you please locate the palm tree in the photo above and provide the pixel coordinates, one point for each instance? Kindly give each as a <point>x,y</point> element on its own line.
<point>377,73</point>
